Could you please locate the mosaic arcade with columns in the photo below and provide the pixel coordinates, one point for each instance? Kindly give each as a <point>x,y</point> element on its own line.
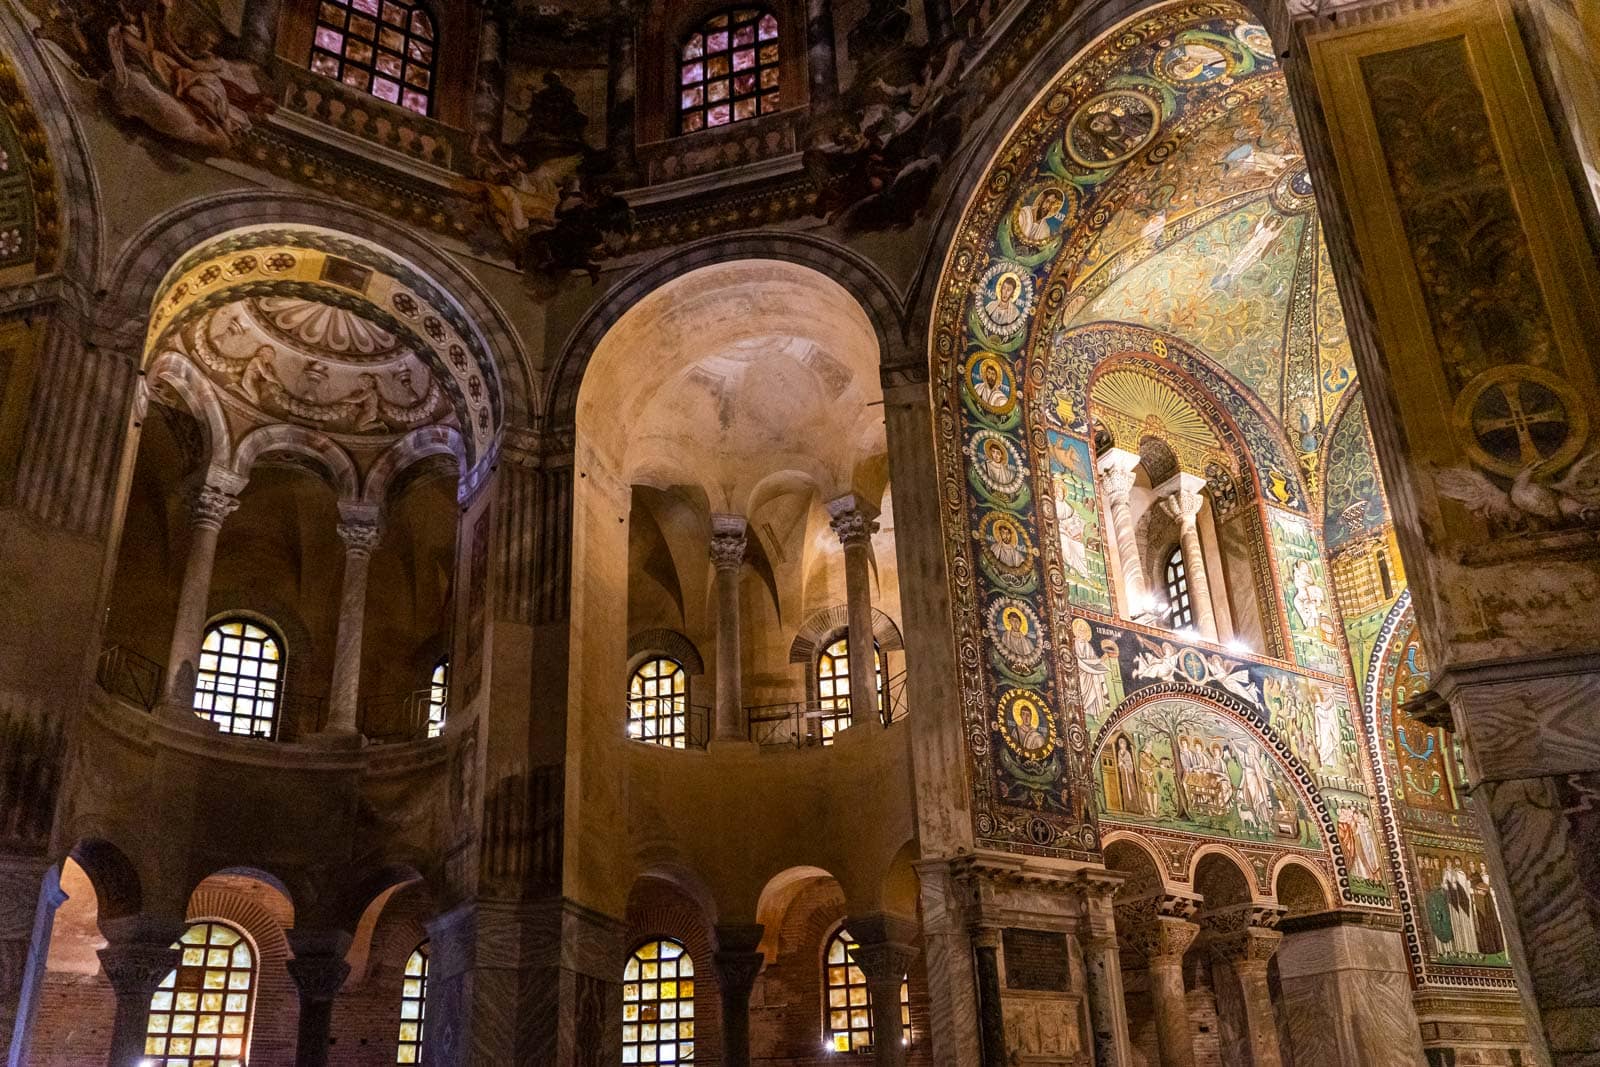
<point>971,532</point>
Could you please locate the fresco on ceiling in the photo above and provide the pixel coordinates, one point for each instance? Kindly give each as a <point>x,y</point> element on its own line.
<point>1311,716</point>
<point>1353,500</point>
<point>1177,76</point>
<point>1303,585</point>
<point>1453,930</point>
<point>1178,765</point>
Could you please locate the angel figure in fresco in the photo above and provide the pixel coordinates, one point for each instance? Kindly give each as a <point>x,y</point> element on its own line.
<point>1033,220</point>
<point>1261,237</point>
<point>1005,307</point>
<point>992,388</point>
<point>259,373</point>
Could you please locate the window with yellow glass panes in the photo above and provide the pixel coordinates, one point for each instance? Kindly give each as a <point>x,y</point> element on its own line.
<point>200,1015</point>
<point>658,1004</point>
<point>848,1008</point>
<point>413,1006</point>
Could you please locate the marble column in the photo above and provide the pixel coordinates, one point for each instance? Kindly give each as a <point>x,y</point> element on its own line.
<point>1347,991</point>
<point>738,961</point>
<point>1102,971</point>
<point>821,63</point>
<point>852,520</point>
<point>139,954</point>
<point>1158,928</point>
<point>1241,941</point>
<point>30,893</point>
<point>360,534</point>
<point>319,970</point>
<point>1181,498</point>
<point>1116,466</point>
<point>884,952</point>
<point>727,556</point>
<point>211,502</point>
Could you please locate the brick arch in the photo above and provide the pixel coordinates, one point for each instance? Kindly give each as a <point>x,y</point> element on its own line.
<point>821,625</point>
<point>665,642</point>
<point>659,909</point>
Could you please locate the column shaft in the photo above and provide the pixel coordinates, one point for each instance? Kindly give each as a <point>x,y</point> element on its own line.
<point>738,963</point>
<point>853,523</point>
<point>135,970</point>
<point>727,555</point>
<point>318,979</point>
<point>1182,500</point>
<point>1108,1010</point>
<point>1171,1010</point>
<point>360,538</point>
<point>210,507</point>
<point>1116,479</point>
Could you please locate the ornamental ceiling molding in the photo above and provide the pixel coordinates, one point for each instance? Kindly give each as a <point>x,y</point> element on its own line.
<point>306,265</point>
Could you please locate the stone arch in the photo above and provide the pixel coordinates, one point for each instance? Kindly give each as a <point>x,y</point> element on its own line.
<point>821,625</point>
<point>221,897</point>
<point>117,887</point>
<point>414,447</point>
<point>1247,718</point>
<point>1216,870</point>
<point>668,643</point>
<point>1300,887</point>
<point>173,372</point>
<point>862,279</point>
<point>776,897</point>
<point>332,462</point>
<point>1132,854</point>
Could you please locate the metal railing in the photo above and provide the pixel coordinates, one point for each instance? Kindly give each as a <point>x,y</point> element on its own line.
<point>696,729</point>
<point>124,673</point>
<point>397,716</point>
<point>807,723</point>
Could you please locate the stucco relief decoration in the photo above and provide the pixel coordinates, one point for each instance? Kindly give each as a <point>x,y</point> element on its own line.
<point>1122,108</point>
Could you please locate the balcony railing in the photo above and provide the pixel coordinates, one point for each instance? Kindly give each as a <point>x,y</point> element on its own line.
<point>398,716</point>
<point>124,673</point>
<point>808,723</point>
<point>662,730</point>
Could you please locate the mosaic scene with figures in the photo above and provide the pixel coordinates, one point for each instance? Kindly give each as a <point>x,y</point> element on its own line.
<point>934,533</point>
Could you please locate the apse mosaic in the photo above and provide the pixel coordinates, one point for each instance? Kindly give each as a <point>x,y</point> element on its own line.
<point>1453,928</point>
<point>1153,211</point>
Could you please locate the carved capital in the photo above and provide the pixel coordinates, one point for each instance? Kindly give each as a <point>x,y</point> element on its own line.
<point>210,507</point>
<point>135,969</point>
<point>727,541</point>
<point>1117,475</point>
<point>360,535</point>
<point>852,519</point>
<point>1243,933</point>
<point>737,971</point>
<point>1183,505</point>
<point>318,978</point>
<point>1161,937</point>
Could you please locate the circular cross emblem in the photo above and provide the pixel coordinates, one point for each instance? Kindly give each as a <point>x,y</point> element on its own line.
<point>1518,417</point>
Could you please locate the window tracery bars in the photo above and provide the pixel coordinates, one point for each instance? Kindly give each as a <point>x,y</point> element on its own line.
<point>728,70</point>
<point>200,1014</point>
<point>658,1004</point>
<point>438,696</point>
<point>833,686</point>
<point>413,1006</point>
<point>382,47</point>
<point>658,703</point>
<point>240,680</point>
<point>849,1002</point>
<point>1178,590</point>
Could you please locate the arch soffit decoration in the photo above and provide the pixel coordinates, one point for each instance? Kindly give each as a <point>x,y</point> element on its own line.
<point>1133,839</point>
<point>169,248</point>
<point>829,621</point>
<point>859,277</point>
<point>1241,715</point>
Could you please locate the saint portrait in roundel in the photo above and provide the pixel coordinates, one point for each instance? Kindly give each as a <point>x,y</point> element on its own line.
<point>1041,214</point>
<point>1255,38</point>
<point>1004,296</point>
<point>1014,628</point>
<point>995,461</point>
<point>1111,127</point>
<point>1005,543</point>
<point>1192,63</point>
<point>1024,720</point>
<point>989,380</point>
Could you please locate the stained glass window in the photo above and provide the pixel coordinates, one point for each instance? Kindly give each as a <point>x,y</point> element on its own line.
<point>413,1006</point>
<point>1178,591</point>
<point>382,47</point>
<point>658,703</point>
<point>438,696</point>
<point>728,69</point>
<point>240,678</point>
<point>849,1003</point>
<point>200,1015</point>
<point>658,1004</point>
<point>833,686</point>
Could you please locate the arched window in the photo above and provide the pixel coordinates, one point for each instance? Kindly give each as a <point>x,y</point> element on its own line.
<point>438,696</point>
<point>1178,590</point>
<point>201,1012</point>
<point>849,1004</point>
<point>658,703</point>
<point>833,685</point>
<point>382,47</point>
<point>240,679</point>
<point>658,1004</point>
<point>413,1006</point>
<point>728,69</point>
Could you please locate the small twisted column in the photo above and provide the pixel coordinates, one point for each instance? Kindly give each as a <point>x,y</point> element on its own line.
<point>738,961</point>
<point>1117,476</point>
<point>727,556</point>
<point>361,536</point>
<point>1182,501</point>
<point>210,504</point>
<point>852,520</point>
